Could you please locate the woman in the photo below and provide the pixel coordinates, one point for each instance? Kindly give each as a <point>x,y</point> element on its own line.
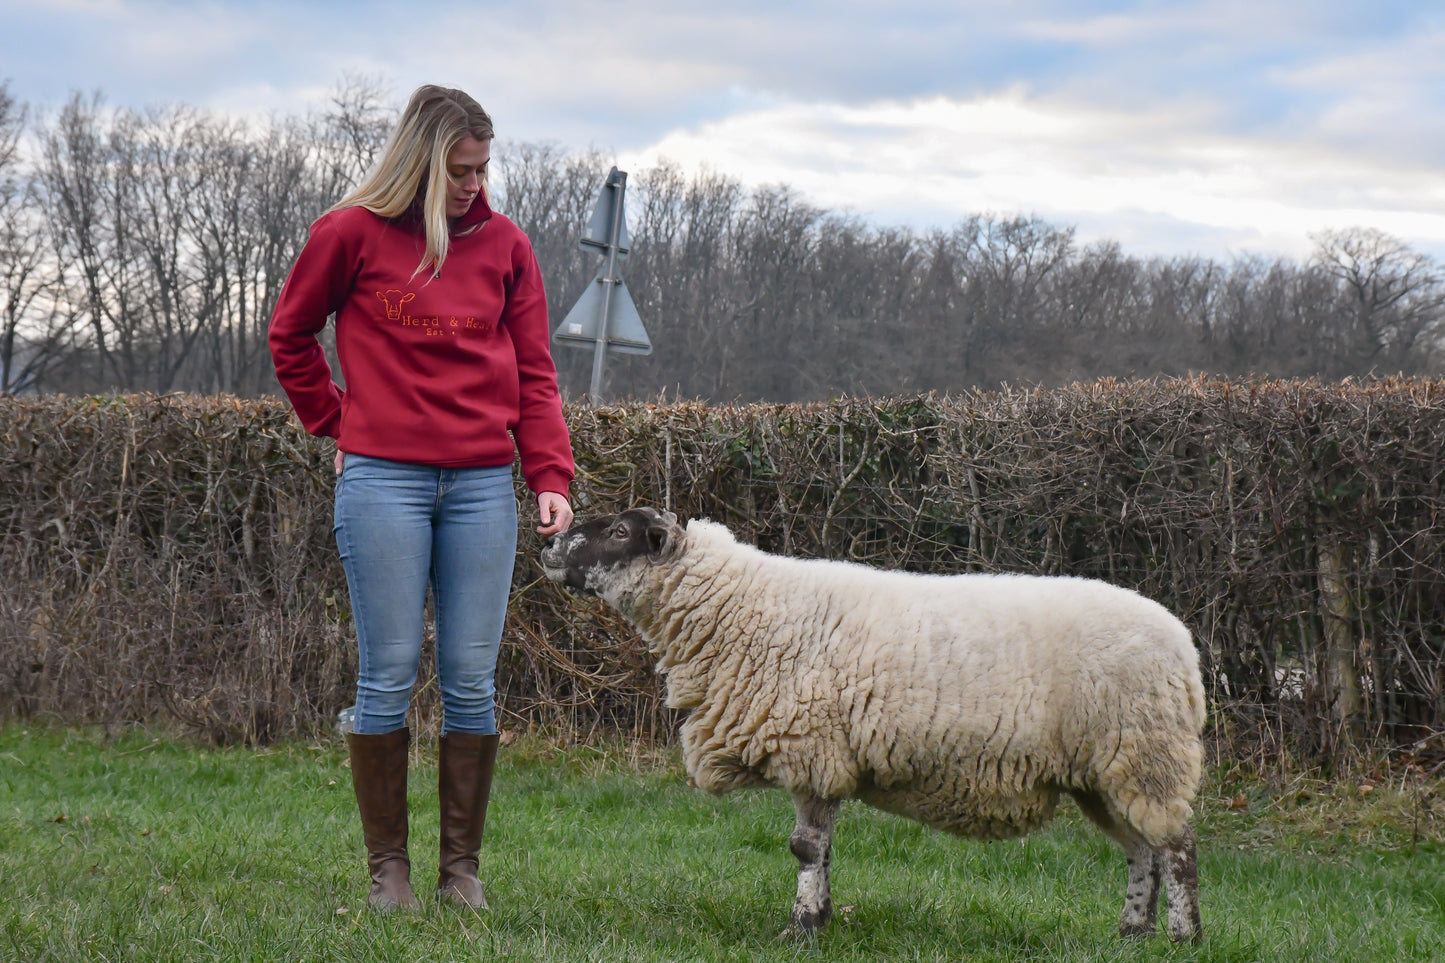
<point>441,331</point>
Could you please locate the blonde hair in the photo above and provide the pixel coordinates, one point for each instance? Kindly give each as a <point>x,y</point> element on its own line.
<point>414,162</point>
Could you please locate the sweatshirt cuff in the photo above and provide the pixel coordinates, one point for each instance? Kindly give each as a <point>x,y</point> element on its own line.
<point>551,481</point>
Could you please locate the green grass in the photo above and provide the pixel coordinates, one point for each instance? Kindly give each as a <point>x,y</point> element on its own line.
<point>145,849</point>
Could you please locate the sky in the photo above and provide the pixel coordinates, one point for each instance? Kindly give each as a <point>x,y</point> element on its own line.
<point>1218,128</point>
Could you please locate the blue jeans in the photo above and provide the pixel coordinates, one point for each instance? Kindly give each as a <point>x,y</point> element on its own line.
<point>400,528</point>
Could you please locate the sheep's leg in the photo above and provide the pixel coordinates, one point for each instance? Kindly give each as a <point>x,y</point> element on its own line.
<point>812,843</point>
<point>1181,879</point>
<point>1141,898</point>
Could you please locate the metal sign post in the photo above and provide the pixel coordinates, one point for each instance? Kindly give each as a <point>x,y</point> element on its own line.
<point>604,317</point>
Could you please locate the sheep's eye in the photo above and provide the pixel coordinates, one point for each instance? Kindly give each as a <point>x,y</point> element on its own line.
<point>621,532</point>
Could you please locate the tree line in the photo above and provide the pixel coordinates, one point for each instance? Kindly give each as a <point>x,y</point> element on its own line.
<point>143,250</point>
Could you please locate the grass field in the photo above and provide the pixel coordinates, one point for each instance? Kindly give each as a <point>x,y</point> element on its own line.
<point>139,848</point>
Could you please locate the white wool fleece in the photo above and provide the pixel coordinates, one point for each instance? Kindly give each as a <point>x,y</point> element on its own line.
<point>966,702</point>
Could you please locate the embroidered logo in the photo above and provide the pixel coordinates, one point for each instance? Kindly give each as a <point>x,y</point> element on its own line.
<point>394,301</point>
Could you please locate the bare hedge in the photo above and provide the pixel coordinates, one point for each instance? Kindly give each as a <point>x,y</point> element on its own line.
<point>171,558</point>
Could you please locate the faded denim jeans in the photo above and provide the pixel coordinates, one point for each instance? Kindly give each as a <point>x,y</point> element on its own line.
<point>401,528</point>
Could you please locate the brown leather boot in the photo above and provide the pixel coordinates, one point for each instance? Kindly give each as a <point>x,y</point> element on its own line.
<point>378,771</point>
<point>464,784</point>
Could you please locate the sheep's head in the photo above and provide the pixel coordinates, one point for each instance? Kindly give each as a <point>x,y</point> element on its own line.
<point>595,556</point>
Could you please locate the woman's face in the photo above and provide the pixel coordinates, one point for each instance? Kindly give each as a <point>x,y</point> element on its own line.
<point>466,168</point>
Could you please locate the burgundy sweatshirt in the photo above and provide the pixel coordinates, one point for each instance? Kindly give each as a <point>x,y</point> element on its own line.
<point>441,370</point>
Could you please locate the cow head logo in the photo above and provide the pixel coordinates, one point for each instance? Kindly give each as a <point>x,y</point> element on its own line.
<point>394,299</point>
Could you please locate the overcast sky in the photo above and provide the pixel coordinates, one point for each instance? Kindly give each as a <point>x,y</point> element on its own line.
<point>1216,127</point>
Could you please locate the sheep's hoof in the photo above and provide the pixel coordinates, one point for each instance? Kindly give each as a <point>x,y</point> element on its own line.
<point>806,924</point>
<point>1194,936</point>
<point>1137,931</point>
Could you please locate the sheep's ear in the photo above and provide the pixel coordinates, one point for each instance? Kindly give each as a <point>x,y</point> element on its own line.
<point>670,518</point>
<point>659,538</point>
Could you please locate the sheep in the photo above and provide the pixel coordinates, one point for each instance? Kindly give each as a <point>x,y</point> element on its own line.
<point>965,702</point>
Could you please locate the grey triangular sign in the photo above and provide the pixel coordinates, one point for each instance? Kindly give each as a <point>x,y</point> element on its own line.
<point>599,226</point>
<point>625,333</point>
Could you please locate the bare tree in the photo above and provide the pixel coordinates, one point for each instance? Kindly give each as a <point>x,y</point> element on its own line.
<point>682,278</point>
<point>146,251</point>
<point>1396,298</point>
<point>79,190</point>
<point>172,307</point>
<point>34,334</point>
<point>247,228</point>
<point>550,192</point>
<point>351,133</point>
<point>773,247</point>
<point>178,228</point>
<point>1009,261</point>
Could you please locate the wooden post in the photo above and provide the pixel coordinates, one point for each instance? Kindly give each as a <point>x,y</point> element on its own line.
<point>1342,669</point>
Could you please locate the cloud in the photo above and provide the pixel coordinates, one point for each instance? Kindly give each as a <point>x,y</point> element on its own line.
<point>86,8</point>
<point>936,161</point>
<point>1381,97</point>
<point>1221,29</point>
<point>1226,124</point>
<point>1108,30</point>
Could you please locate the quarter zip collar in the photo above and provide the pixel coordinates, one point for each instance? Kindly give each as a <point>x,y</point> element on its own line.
<point>479,213</point>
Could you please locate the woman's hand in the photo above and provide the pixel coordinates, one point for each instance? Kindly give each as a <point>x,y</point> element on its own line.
<point>556,513</point>
<point>340,457</point>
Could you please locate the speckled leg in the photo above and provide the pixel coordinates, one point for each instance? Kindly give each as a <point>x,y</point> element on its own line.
<point>1181,878</point>
<point>1141,899</point>
<point>812,843</point>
